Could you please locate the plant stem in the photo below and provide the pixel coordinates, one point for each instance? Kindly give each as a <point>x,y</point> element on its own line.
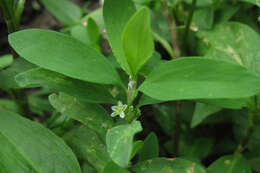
<point>249,131</point>
<point>187,28</point>
<point>176,137</point>
<point>172,26</point>
<point>177,53</point>
<point>18,95</point>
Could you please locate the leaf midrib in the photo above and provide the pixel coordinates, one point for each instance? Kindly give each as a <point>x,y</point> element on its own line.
<point>22,154</point>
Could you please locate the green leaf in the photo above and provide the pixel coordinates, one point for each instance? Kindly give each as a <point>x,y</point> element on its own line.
<point>138,145</point>
<point>137,40</point>
<point>228,103</point>
<point>5,61</point>
<point>254,141</point>
<point>64,10</point>
<point>150,148</point>
<point>89,92</point>
<point>202,111</point>
<point>116,16</point>
<point>195,78</point>
<point>89,34</point>
<point>39,105</point>
<point>88,147</point>
<point>230,164</point>
<point>206,107</point>
<point>111,167</point>
<point>203,18</point>
<point>92,115</point>
<point>151,64</point>
<point>225,14</point>
<point>234,42</point>
<point>97,16</point>
<point>93,31</point>
<point>195,148</point>
<point>80,33</point>
<point>63,54</point>
<point>164,43</point>
<point>7,76</point>
<point>164,165</point>
<point>164,115</point>
<point>119,141</point>
<point>29,147</point>
<point>86,168</point>
<point>255,2</point>
<point>146,100</point>
<point>8,105</point>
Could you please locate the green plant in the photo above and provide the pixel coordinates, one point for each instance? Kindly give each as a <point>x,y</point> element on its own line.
<point>214,66</point>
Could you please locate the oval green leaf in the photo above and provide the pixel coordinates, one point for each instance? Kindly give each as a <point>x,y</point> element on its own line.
<point>88,147</point>
<point>195,78</point>
<point>137,40</point>
<point>63,54</point>
<point>119,141</point>
<point>116,15</point>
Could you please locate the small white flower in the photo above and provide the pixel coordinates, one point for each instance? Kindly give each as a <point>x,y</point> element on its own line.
<point>119,110</point>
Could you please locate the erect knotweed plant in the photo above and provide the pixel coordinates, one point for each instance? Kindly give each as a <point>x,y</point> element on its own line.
<point>226,76</point>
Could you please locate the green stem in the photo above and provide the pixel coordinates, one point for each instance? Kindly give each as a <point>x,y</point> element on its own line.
<point>187,28</point>
<point>249,131</point>
<point>172,26</point>
<point>18,95</point>
<point>131,92</point>
<point>176,135</point>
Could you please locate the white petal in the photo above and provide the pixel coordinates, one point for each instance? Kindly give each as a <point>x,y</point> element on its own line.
<point>114,114</point>
<point>122,115</point>
<point>114,108</point>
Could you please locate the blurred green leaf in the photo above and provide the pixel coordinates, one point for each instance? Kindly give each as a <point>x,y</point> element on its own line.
<point>8,105</point>
<point>138,145</point>
<point>230,164</point>
<point>203,18</point>
<point>111,167</point>
<point>234,42</point>
<point>164,165</point>
<point>7,75</point>
<point>86,168</point>
<point>64,10</point>
<point>5,61</point>
<point>255,2</point>
<point>150,148</point>
<point>202,111</point>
